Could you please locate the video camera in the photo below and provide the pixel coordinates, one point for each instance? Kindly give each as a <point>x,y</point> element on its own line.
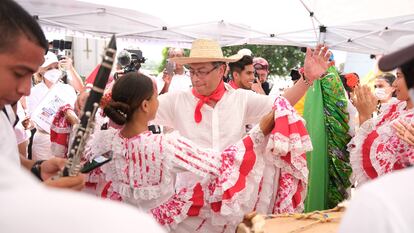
<point>61,45</point>
<point>130,60</point>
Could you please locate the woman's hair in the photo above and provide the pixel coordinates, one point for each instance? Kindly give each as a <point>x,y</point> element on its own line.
<point>408,70</point>
<point>128,93</point>
<point>387,77</point>
<point>350,81</point>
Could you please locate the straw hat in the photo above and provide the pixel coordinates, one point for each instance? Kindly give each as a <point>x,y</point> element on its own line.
<point>203,50</point>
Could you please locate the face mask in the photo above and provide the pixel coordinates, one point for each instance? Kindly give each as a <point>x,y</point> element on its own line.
<point>53,75</point>
<point>380,93</point>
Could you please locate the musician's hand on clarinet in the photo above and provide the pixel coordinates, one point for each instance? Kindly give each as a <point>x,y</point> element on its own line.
<point>50,169</point>
<point>67,182</point>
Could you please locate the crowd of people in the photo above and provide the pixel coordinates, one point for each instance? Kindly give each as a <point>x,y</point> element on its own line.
<point>226,148</point>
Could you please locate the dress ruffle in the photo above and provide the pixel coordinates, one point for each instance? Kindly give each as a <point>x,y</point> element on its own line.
<point>376,149</point>
<point>234,191</point>
<point>287,147</point>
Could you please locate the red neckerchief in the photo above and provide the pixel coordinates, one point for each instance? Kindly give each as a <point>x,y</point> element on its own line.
<point>233,84</point>
<point>215,96</point>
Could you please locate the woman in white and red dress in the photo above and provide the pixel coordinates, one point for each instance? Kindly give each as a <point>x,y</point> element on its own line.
<point>144,166</point>
<point>376,148</point>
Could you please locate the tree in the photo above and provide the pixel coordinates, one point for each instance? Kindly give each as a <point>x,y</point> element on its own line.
<point>281,58</point>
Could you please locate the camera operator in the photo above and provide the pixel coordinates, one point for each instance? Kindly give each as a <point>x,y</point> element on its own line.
<point>174,77</point>
<point>129,61</point>
<point>70,75</point>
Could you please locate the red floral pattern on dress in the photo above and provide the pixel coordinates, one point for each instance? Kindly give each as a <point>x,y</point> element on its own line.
<point>376,149</point>
<point>60,131</point>
<point>288,144</point>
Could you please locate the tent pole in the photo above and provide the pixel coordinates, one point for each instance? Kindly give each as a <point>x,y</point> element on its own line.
<point>311,13</point>
<point>313,17</point>
<point>322,35</point>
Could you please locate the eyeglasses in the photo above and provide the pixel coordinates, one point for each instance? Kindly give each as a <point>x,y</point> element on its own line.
<point>201,74</point>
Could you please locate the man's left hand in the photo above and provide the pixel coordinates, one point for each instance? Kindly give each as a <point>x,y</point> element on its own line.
<point>317,62</point>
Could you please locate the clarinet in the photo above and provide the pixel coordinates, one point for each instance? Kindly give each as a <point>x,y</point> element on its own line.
<point>86,125</point>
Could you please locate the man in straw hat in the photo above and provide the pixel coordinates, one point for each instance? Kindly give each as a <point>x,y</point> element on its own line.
<point>213,114</point>
<point>385,204</point>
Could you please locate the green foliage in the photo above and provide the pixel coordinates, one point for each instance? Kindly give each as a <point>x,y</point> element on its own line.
<point>281,58</point>
<point>164,60</point>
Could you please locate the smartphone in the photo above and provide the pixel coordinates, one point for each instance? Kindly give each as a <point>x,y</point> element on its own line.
<point>97,162</point>
<point>295,75</point>
<point>169,68</point>
<point>256,76</point>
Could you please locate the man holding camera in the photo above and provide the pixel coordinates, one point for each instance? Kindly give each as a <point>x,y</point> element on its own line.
<point>261,67</point>
<point>174,78</point>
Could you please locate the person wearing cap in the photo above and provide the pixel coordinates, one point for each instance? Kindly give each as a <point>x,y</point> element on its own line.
<point>385,204</point>
<point>50,73</point>
<point>178,79</point>
<point>376,149</point>
<point>262,70</point>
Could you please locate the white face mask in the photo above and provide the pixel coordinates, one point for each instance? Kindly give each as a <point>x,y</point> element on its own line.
<point>380,93</point>
<point>53,75</point>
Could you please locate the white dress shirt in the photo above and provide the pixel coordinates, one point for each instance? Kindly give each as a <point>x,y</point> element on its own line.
<point>220,126</point>
<point>179,82</point>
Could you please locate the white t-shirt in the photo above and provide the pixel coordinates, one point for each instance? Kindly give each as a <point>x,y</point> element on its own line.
<point>384,205</point>
<point>28,206</point>
<point>37,93</point>
<point>8,146</point>
<point>220,126</point>
<point>179,82</point>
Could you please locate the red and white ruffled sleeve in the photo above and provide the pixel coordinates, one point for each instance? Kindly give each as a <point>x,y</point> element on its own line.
<point>231,177</point>
<point>288,143</point>
<point>376,149</point>
<point>60,131</point>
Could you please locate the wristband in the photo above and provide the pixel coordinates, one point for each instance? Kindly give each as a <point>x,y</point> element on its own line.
<point>36,169</point>
<point>306,81</point>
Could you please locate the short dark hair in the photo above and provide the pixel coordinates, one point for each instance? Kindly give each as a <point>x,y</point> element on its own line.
<point>15,22</point>
<point>239,65</point>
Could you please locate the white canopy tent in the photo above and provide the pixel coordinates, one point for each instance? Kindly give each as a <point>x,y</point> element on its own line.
<point>364,26</point>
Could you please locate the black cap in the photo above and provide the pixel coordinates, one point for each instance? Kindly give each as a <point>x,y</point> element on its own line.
<point>396,59</point>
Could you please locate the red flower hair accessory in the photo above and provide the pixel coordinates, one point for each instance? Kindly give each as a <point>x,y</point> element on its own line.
<point>352,80</point>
